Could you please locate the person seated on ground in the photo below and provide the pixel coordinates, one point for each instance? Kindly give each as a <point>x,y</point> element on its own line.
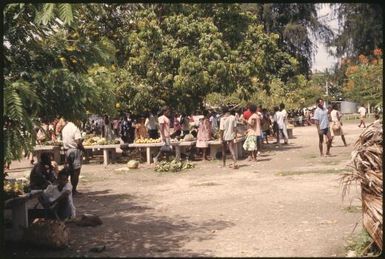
<point>58,196</point>
<point>43,173</point>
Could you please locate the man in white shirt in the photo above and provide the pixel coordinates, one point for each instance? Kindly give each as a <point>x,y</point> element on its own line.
<point>362,112</point>
<point>321,120</point>
<point>285,121</point>
<point>279,119</point>
<point>228,132</point>
<point>72,143</point>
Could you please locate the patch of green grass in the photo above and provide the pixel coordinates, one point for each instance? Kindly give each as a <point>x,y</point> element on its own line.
<point>353,209</point>
<point>359,243</point>
<point>329,171</point>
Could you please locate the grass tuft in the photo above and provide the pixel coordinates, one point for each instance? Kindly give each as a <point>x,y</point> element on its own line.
<point>329,171</point>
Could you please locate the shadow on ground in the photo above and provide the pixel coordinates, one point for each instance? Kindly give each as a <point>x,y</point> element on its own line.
<point>130,229</point>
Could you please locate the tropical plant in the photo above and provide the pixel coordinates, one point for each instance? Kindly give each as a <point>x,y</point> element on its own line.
<point>20,102</point>
<point>365,79</point>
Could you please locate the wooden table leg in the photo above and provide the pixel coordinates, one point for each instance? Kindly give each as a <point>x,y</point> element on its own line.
<point>105,157</point>
<point>177,153</point>
<point>148,155</point>
<point>19,220</point>
<point>213,152</point>
<point>56,155</point>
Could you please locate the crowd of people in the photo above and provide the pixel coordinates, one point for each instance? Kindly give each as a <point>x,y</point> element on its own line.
<point>256,123</point>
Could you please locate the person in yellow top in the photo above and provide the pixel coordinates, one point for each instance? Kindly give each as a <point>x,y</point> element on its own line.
<point>140,129</point>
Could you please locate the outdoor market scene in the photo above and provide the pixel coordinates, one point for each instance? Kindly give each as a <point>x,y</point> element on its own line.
<point>192,130</point>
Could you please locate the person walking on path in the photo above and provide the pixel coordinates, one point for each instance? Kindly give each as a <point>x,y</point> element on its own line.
<point>336,123</point>
<point>253,132</point>
<point>285,122</point>
<point>72,143</point>
<point>322,123</point>
<point>362,112</point>
<point>228,132</point>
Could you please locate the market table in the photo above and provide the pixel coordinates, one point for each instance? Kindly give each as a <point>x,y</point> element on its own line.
<point>177,145</point>
<point>106,149</point>
<point>38,149</point>
<point>216,145</point>
<point>19,206</point>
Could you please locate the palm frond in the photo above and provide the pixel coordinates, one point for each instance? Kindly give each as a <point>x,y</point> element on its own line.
<point>66,13</point>
<point>45,14</point>
<point>13,106</point>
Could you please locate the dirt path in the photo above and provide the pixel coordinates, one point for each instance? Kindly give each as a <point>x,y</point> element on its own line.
<point>287,204</point>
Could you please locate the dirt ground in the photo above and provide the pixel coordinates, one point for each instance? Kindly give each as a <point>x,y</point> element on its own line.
<point>287,204</point>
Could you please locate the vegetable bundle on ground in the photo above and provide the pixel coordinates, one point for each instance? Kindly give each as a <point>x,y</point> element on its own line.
<point>173,166</point>
<point>367,164</point>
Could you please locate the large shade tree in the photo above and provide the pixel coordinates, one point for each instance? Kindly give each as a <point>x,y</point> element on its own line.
<point>361,29</point>
<point>297,25</point>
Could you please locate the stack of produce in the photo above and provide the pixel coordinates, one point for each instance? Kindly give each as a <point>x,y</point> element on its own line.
<point>173,166</point>
<point>188,137</point>
<point>147,140</point>
<point>367,165</point>
<point>98,141</point>
<point>15,187</point>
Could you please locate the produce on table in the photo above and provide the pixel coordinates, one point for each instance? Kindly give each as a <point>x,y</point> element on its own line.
<point>188,137</point>
<point>147,140</point>
<point>15,187</point>
<point>90,140</point>
<point>101,141</point>
<point>173,166</point>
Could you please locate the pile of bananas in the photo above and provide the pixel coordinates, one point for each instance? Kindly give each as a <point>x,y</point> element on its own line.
<point>14,188</point>
<point>147,140</point>
<point>173,166</point>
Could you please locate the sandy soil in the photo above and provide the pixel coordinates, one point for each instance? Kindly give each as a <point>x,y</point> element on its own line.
<point>289,203</point>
